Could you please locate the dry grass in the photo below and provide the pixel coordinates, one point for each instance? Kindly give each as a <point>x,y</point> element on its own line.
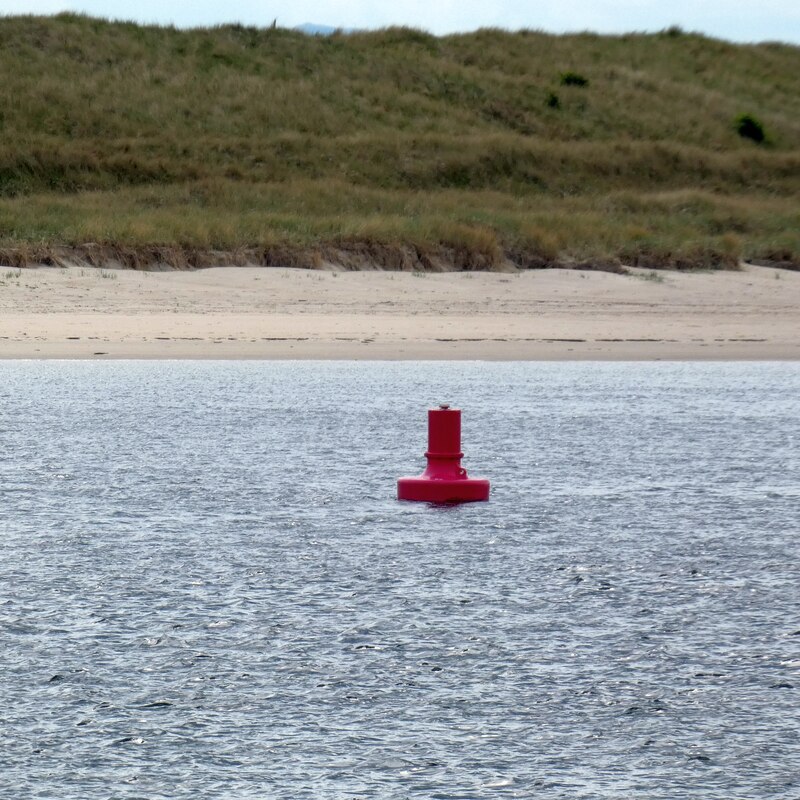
<point>148,144</point>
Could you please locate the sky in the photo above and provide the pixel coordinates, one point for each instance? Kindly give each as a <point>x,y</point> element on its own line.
<point>737,20</point>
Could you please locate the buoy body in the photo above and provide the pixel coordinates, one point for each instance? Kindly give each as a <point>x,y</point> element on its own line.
<point>444,480</point>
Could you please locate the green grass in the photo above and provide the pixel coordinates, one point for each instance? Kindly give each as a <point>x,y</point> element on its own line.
<point>148,144</point>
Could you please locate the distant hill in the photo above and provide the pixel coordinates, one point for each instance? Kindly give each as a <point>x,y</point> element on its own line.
<point>317,30</point>
<point>396,146</point>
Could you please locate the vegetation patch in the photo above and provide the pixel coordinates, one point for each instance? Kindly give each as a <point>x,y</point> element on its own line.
<point>553,100</point>
<point>573,79</point>
<point>748,127</point>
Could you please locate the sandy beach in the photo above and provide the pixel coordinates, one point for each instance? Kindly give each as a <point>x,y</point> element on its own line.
<point>251,312</point>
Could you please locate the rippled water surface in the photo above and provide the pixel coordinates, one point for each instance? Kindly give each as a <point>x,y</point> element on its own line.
<point>208,590</point>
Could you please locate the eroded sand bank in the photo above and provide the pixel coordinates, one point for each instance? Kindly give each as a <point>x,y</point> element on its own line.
<point>255,312</point>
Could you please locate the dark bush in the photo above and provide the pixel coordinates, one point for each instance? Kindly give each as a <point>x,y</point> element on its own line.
<point>553,101</point>
<point>573,79</point>
<point>748,127</point>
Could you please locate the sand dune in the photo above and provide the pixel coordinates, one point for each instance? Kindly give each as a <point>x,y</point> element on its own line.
<point>286,313</point>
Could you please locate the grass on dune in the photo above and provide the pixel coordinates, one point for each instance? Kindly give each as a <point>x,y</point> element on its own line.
<point>322,220</point>
<point>404,149</point>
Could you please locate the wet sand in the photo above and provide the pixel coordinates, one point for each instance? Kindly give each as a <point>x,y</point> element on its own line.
<point>251,312</point>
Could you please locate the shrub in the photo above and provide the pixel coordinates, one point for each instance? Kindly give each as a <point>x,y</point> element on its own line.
<point>748,127</point>
<point>553,101</point>
<point>573,79</point>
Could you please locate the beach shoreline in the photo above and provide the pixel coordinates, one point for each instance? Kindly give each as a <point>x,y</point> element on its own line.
<point>277,313</point>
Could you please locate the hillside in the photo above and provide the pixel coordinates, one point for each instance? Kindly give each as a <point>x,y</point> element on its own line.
<point>149,144</point>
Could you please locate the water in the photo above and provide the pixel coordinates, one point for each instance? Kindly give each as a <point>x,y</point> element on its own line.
<point>208,590</point>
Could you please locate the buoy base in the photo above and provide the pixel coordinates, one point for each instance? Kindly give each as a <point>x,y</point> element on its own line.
<point>446,491</point>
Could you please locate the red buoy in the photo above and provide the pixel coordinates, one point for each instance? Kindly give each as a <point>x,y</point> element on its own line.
<point>444,480</point>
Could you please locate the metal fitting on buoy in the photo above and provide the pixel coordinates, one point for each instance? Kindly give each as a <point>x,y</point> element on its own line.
<point>444,480</point>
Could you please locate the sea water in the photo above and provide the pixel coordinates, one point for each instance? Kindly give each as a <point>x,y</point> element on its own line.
<point>208,590</point>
